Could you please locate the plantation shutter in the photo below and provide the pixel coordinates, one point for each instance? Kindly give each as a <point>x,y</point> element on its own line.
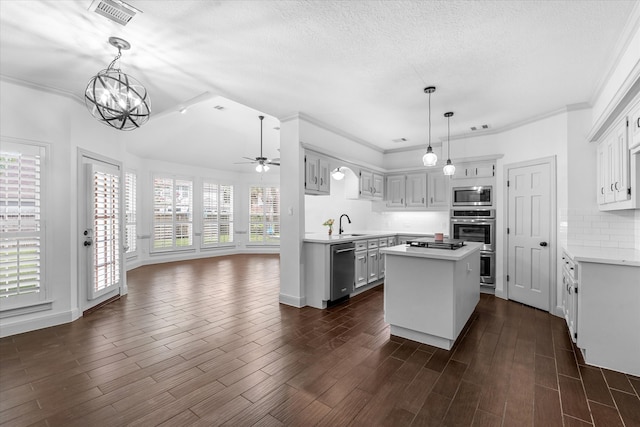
<point>21,228</point>
<point>130,212</point>
<point>264,215</point>
<point>217,214</point>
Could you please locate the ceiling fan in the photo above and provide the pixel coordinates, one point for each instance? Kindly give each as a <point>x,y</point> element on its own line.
<point>263,162</point>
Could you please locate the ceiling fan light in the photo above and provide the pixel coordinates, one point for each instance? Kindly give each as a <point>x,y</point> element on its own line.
<point>337,174</point>
<point>430,158</point>
<point>449,168</point>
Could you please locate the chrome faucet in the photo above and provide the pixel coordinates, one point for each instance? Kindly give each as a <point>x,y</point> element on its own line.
<point>340,230</point>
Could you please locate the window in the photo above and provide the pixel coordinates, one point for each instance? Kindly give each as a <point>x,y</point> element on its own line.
<point>130,212</point>
<point>172,214</point>
<point>21,227</point>
<point>217,214</point>
<point>264,215</point>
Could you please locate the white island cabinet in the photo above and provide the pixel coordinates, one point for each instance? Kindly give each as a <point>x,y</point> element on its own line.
<point>430,294</point>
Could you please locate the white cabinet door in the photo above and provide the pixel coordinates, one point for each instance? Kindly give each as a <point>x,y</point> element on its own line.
<point>361,269</point>
<point>483,170</point>
<point>634,126</point>
<point>372,265</point>
<point>395,190</point>
<point>602,172</point>
<point>324,175</point>
<point>621,163</point>
<point>438,190</point>
<point>416,190</point>
<point>366,183</point>
<point>377,185</point>
<point>311,172</point>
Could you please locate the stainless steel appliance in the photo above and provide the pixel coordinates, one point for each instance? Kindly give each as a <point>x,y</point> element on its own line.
<point>474,225</point>
<point>342,271</point>
<point>478,195</point>
<point>478,225</point>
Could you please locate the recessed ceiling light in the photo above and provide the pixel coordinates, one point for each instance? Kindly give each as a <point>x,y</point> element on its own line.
<point>398,140</point>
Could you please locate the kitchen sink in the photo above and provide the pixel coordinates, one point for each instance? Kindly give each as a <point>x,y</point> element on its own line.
<point>352,235</point>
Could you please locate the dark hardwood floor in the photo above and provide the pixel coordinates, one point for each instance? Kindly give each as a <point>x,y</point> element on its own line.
<point>205,342</point>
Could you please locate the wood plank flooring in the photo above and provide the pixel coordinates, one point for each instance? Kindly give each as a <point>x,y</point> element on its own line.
<point>206,343</point>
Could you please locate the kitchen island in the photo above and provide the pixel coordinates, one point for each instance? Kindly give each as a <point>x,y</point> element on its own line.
<point>429,293</point>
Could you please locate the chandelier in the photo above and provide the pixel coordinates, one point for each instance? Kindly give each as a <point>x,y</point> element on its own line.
<point>115,98</point>
<point>430,158</point>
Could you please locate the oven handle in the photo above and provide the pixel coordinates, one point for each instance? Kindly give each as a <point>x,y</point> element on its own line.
<point>483,221</point>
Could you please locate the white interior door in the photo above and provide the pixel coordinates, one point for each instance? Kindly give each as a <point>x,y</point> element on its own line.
<point>529,235</point>
<point>101,233</point>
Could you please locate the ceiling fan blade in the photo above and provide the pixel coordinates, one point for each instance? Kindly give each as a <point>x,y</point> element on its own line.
<point>243,163</point>
<point>253,159</point>
<point>274,163</point>
<point>275,159</point>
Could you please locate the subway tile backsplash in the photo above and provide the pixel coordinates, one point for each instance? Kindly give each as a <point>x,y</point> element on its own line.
<point>619,229</point>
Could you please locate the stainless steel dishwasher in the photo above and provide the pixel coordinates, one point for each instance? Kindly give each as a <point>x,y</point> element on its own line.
<point>342,271</point>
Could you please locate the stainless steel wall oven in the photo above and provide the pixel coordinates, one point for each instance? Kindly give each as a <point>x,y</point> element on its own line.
<point>478,225</point>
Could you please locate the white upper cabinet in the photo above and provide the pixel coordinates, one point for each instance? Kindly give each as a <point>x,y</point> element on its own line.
<point>613,168</point>
<point>366,183</point>
<point>416,190</point>
<point>378,186</point>
<point>475,170</point>
<point>395,191</point>
<point>438,190</point>
<point>634,126</point>
<point>317,174</point>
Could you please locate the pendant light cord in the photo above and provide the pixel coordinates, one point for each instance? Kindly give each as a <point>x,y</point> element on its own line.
<point>429,119</point>
<point>448,138</point>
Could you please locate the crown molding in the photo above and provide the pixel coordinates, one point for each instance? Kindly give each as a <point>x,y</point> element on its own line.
<point>307,118</point>
<point>621,46</point>
<point>41,88</point>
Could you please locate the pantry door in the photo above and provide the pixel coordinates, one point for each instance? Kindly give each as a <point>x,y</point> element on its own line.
<point>530,232</point>
<point>100,240</point>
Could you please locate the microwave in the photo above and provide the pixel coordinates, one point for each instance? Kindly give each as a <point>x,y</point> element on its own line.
<point>478,195</point>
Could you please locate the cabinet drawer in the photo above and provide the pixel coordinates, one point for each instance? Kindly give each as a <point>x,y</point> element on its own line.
<point>361,245</point>
<point>372,243</point>
<point>569,266</point>
<point>383,243</point>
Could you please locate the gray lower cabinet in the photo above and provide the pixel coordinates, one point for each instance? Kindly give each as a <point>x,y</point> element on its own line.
<point>361,269</point>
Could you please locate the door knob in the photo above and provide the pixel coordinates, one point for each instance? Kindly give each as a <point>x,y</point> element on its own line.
<point>87,243</point>
<point>543,244</point>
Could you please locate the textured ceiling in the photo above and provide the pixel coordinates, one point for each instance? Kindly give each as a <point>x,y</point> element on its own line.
<point>359,66</point>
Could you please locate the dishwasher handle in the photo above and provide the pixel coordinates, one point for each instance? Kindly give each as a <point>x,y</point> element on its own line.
<point>339,251</point>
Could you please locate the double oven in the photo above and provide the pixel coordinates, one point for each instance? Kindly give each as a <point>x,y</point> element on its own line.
<point>474,219</point>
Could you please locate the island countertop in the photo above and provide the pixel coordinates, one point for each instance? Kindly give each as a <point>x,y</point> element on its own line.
<point>433,253</point>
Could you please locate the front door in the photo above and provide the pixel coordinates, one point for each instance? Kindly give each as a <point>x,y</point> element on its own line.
<point>101,232</point>
<point>529,233</point>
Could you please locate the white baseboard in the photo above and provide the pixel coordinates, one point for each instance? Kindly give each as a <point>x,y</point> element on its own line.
<point>297,302</point>
<point>39,322</point>
<point>501,294</point>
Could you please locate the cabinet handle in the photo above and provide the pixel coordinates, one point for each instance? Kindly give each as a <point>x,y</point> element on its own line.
<point>616,185</point>
<point>315,180</point>
<point>601,190</point>
<point>476,171</point>
<point>401,201</point>
<point>611,187</point>
<point>432,200</point>
<point>423,200</point>
<point>638,122</point>
<point>320,181</point>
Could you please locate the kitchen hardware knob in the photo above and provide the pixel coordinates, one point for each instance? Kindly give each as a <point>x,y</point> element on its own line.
<point>543,244</point>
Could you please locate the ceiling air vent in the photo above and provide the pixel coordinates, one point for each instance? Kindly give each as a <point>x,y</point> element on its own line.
<point>115,10</point>
<point>399,140</point>
<point>480,127</point>
<point>219,107</point>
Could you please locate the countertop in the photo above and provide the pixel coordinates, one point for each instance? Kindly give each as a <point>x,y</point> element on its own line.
<point>603,255</point>
<point>356,235</point>
<point>444,254</point>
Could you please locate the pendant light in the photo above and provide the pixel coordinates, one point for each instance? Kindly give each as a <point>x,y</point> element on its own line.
<point>430,158</point>
<point>449,168</point>
<point>337,174</point>
<point>115,98</point>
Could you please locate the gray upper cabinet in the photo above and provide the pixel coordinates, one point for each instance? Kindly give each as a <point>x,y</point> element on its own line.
<point>417,191</point>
